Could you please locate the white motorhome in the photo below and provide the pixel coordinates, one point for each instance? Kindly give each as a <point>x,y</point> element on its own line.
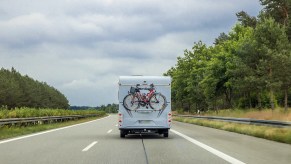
<point>144,105</point>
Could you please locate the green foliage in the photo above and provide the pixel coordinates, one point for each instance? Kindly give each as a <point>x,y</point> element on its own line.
<point>280,10</point>
<point>22,91</point>
<point>31,112</point>
<point>276,134</point>
<point>246,20</point>
<point>14,131</point>
<point>221,38</point>
<point>248,67</point>
<point>109,108</point>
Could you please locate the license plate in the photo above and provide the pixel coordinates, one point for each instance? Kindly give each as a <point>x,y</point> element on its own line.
<point>144,121</point>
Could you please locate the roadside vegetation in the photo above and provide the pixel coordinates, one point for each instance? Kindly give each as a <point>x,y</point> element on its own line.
<point>15,131</point>
<point>8,131</point>
<point>109,108</point>
<point>265,114</point>
<point>246,73</point>
<point>246,68</point>
<point>276,134</point>
<point>31,112</point>
<point>17,91</point>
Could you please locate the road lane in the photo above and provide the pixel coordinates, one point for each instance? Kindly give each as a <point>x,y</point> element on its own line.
<point>245,148</point>
<point>66,145</point>
<point>176,149</point>
<point>208,148</point>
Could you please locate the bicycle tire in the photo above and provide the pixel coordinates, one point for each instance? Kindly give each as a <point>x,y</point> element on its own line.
<point>158,101</point>
<point>130,104</point>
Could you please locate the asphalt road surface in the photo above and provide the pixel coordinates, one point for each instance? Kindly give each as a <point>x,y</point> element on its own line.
<point>99,142</point>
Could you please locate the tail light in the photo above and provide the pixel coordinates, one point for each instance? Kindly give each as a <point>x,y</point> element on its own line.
<point>120,119</point>
<point>169,118</point>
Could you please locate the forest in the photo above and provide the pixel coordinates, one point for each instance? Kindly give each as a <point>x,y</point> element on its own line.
<point>109,108</point>
<point>22,91</point>
<point>248,67</point>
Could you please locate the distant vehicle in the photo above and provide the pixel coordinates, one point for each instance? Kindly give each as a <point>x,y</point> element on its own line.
<point>144,105</point>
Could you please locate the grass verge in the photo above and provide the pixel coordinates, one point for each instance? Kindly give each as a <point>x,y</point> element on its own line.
<point>15,131</point>
<point>276,134</point>
<point>264,114</point>
<point>31,112</point>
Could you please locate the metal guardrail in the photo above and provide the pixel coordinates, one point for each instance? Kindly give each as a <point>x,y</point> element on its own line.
<point>41,120</point>
<point>275,123</point>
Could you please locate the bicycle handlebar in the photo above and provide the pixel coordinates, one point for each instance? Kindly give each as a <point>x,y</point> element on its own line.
<point>147,88</point>
<point>151,86</point>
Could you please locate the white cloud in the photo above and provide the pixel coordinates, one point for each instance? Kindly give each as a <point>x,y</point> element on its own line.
<point>81,47</point>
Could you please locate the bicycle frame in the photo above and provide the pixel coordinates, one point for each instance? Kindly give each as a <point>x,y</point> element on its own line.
<point>143,99</point>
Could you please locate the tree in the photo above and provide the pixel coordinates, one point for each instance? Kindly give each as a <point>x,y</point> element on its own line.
<point>243,68</point>
<point>272,43</point>
<point>199,57</point>
<point>280,10</point>
<point>218,80</point>
<point>246,20</point>
<point>221,38</point>
<point>180,82</point>
<point>186,76</point>
<point>22,91</point>
<point>283,73</point>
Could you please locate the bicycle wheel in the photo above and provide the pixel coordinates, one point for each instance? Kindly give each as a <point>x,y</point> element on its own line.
<point>131,102</point>
<point>158,101</point>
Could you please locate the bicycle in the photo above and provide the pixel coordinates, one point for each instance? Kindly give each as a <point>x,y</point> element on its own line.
<point>135,99</point>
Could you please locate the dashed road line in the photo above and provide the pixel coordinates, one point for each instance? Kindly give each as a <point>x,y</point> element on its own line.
<point>109,131</point>
<point>90,146</point>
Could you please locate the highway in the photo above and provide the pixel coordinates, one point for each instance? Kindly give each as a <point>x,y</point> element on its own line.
<point>98,141</point>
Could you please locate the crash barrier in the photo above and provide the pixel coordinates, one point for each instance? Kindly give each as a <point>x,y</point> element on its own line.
<point>41,120</point>
<point>275,123</point>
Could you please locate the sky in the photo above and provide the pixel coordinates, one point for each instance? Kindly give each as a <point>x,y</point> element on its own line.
<point>81,47</point>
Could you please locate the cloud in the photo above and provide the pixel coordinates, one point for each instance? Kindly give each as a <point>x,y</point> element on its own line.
<point>81,47</point>
<point>91,22</point>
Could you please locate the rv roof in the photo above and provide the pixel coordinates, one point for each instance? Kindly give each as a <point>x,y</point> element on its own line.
<point>133,80</point>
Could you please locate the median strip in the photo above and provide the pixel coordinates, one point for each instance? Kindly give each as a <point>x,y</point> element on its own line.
<point>208,148</point>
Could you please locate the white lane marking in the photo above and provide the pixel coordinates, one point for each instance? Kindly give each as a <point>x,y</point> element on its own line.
<point>36,134</point>
<point>109,131</point>
<point>90,146</point>
<point>210,149</point>
<point>116,125</point>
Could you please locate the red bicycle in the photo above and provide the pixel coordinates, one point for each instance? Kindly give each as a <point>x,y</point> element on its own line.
<point>135,99</point>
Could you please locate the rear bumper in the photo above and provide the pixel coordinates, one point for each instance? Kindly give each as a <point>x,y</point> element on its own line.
<point>144,130</point>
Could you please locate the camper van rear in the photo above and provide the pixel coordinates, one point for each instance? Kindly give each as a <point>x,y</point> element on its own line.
<point>144,105</point>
